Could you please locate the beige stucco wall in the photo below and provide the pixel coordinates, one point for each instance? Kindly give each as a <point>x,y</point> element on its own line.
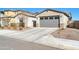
<point>9,13</point>
<point>48,13</point>
<point>14,13</point>
<point>13,20</point>
<point>30,22</point>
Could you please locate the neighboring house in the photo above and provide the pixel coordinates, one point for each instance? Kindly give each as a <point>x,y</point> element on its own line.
<point>46,18</point>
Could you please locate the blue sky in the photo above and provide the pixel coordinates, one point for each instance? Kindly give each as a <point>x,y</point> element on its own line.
<point>73,11</point>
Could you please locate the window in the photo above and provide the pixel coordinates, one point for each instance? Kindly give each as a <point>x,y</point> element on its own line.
<point>56,17</point>
<point>46,18</point>
<point>50,17</point>
<point>41,18</point>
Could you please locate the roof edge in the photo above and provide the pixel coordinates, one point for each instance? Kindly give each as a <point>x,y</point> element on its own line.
<point>54,11</point>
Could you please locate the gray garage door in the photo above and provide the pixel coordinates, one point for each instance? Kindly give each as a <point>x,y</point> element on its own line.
<point>49,23</point>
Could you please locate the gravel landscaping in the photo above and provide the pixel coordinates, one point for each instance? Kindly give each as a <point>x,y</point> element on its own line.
<point>68,33</point>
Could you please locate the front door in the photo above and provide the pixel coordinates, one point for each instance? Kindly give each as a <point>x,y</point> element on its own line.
<point>34,23</point>
<point>21,23</point>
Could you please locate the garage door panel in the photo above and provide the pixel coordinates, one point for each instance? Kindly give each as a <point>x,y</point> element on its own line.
<point>49,23</point>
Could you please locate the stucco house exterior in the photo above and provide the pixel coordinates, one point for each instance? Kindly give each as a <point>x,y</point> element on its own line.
<point>46,18</point>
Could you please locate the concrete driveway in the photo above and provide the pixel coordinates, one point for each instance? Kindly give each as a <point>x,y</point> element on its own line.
<point>26,39</point>
<point>28,35</point>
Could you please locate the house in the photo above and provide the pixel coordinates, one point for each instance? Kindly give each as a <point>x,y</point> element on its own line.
<point>53,18</point>
<point>46,18</point>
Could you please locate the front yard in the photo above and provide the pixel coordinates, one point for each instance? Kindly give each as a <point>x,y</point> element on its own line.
<point>43,36</point>
<point>68,33</point>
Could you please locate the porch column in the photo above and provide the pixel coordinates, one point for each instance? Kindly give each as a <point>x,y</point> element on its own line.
<point>25,23</point>
<point>61,22</point>
<point>17,25</point>
<point>9,23</point>
<point>38,21</point>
